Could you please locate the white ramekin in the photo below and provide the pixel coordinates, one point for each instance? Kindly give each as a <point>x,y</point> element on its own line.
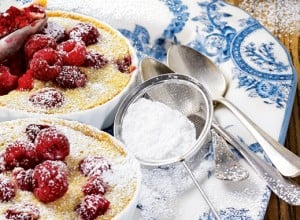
<point>101,116</point>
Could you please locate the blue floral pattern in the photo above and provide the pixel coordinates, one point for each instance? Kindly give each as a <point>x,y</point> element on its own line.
<point>264,57</point>
<point>140,37</point>
<point>258,70</point>
<point>260,73</point>
<point>271,92</point>
<point>218,34</point>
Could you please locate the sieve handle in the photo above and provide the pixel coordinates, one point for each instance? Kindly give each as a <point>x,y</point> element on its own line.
<point>203,194</point>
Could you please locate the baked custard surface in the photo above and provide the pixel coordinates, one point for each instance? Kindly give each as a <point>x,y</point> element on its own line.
<point>102,84</point>
<point>84,141</point>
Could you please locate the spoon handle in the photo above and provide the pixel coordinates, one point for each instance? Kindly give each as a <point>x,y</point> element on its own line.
<point>287,163</point>
<point>285,189</point>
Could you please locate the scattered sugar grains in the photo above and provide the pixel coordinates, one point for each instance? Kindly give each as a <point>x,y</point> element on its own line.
<point>278,16</point>
<point>152,130</point>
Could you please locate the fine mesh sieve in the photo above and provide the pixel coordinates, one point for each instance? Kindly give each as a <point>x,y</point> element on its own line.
<point>181,93</point>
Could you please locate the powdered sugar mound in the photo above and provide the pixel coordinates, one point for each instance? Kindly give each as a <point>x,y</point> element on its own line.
<point>147,137</point>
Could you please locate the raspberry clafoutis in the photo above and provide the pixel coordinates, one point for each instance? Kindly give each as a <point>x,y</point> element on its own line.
<point>58,169</point>
<point>75,68</point>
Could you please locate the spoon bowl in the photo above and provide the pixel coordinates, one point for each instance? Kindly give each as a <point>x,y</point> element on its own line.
<point>185,60</point>
<point>11,43</point>
<point>151,67</point>
<point>188,61</point>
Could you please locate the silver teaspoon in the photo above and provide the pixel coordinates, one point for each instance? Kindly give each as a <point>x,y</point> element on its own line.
<point>188,61</point>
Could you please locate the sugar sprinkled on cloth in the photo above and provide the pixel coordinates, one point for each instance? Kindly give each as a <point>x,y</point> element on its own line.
<point>152,130</point>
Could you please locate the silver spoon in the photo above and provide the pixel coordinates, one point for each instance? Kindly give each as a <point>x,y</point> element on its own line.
<point>186,60</point>
<point>11,43</point>
<point>227,167</point>
<point>284,188</point>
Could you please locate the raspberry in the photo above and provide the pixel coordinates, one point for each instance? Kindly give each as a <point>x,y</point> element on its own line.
<point>15,18</point>
<point>19,18</point>
<point>32,130</point>
<point>17,64</point>
<point>73,52</point>
<point>37,42</point>
<point>35,12</point>
<point>92,206</point>
<point>7,189</point>
<point>8,81</point>
<point>54,31</point>
<point>94,165</point>
<point>46,64</point>
<point>6,24</point>
<point>50,181</point>
<point>95,60</point>
<point>95,185</point>
<point>71,77</point>
<point>23,178</point>
<point>84,32</point>
<point>23,212</point>
<point>20,154</point>
<point>52,144</point>
<point>124,64</point>
<point>25,82</point>
<point>47,98</point>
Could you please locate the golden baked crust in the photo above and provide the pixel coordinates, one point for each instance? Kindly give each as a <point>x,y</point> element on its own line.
<point>103,84</point>
<point>84,141</point>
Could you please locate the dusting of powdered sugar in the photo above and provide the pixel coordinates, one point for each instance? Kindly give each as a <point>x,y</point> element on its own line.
<point>121,174</point>
<point>84,141</point>
<point>152,130</point>
<point>165,191</point>
<point>279,16</point>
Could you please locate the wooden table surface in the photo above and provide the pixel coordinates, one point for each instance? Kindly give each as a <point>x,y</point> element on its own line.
<point>278,209</point>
